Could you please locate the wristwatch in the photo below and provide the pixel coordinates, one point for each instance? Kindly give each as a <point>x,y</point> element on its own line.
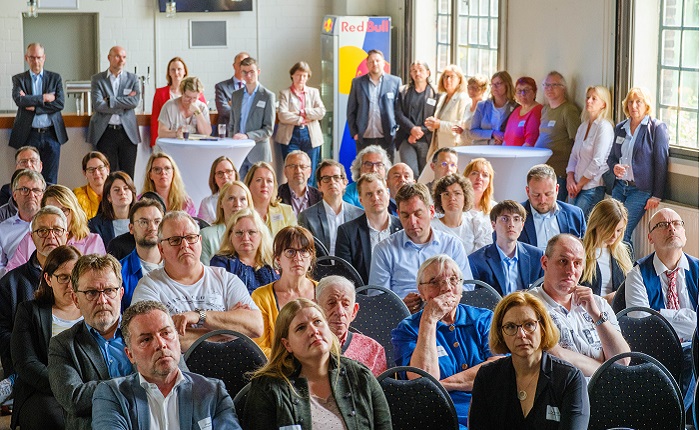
<point>202,316</point>
<point>603,318</point>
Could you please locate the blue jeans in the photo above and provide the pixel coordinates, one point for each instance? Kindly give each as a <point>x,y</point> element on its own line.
<point>586,199</point>
<point>562,195</point>
<point>634,200</point>
<point>301,141</point>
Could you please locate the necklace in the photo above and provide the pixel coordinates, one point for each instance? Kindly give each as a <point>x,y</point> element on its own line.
<point>522,394</point>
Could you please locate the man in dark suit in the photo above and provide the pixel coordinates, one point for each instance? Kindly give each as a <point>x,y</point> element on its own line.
<point>253,115</point>
<point>153,347</point>
<point>357,238</point>
<point>371,102</point>
<point>324,218</point>
<point>113,129</point>
<point>507,265</point>
<point>39,97</point>
<point>297,192</point>
<point>546,216</point>
<point>225,89</point>
<point>93,349</point>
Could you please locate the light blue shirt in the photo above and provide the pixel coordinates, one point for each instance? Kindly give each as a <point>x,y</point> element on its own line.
<point>628,147</point>
<point>40,120</point>
<point>246,104</point>
<point>511,271</point>
<point>395,261</point>
<point>113,352</point>
<point>546,225</point>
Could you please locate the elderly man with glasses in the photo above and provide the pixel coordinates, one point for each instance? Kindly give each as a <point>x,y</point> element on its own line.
<point>199,298</point>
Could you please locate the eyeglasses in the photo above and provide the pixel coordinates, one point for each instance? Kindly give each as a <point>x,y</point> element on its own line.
<point>145,222</point>
<point>450,194</point>
<point>250,233</point>
<point>677,223</point>
<point>66,211</point>
<point>44,232</point>
<point>522,92</point>
<point>452,281</point>
<point>297,166</point>
<point>159,170</point>
<point>446,164</point>
<point>505,219</point>
<point>92,295</point>
<point>291,252</point>
<point>25,162</point>
<point>334,178</point>
<point>528,327</point>
<point>25,191</point>
<point>177,240</point>
<point>228,172</point>
<point>62,279</point>
<point>548,86</point>
<point>370,165</point>
<point>92,170</point>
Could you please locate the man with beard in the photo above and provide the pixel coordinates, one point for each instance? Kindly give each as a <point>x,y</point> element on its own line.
<point>589,330</point>
<point>93,349</point>
<point>144,219</point>
<point>159,395</point>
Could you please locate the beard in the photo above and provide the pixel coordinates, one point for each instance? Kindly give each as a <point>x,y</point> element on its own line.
<point>147,242</point>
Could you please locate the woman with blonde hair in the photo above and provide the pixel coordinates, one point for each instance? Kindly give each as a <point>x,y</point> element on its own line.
<point>233,197</point>
<point>449,111</point>
<point>163,178</point>
<point>489,121</point>
<point>307,384</point>
<point>262,183</point>
<point>246,250</point>
<point>78,233</point>
<point>480,173</point>
<point>607,257</point>
<point>222,171</point>
<point>185,113</point>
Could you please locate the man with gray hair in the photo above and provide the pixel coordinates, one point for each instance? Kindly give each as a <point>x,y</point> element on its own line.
<point>136,401</point>
<point>336,296</point>
<point>372,159</point>
<point>200,298</point>
<point>298,192</point>
<point>26,157</point>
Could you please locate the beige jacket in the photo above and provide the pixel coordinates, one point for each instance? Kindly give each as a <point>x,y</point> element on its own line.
<point>288,115</point>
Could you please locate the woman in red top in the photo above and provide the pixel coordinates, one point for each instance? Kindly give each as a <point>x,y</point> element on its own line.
<point>523,126</point>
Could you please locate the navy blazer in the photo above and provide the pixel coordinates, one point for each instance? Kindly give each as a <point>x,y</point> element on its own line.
<point>354,245</point>
<point>51,83</point>
<point>314,219</point>
<point>649,156</point>
<point>570,219</point>
<point>99,224</point>
<point>285,193</point>
<point>358,106</point>
<point>122,404</point>
<point>486,266</point>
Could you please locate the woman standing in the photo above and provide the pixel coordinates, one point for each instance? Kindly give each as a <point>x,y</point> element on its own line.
<point>523,127</point>
<point>176,72</point>
<point>262,183</point>
<point>232,198</point>
<point>222,171</point>
<point>185,113</point>
<point>163,177</point>
<point>113,219</point>
<point>589,156</point>
<point>480,173</point>
<point>489,120</point>
<point>300,112</point>
<point>476,88</point>
<point>95,170</point>
<point>639,158</point>
<point>416,101</point>
<point>449,111</point>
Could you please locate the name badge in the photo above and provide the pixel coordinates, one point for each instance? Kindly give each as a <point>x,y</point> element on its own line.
<point>261,104</point>
<point>553,413</point>
<point>441,351</point>
<point>277,217</point>
<point>205,423</point>
<point>521,123</point>
<point>551,123</point>
<point>431,102</point>
<point>620,140</point>
<point>390,96</point>
<point>292,427</point>
<point>127,91</point>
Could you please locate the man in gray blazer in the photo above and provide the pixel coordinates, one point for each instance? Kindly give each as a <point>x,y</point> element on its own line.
<point>152,345</point>
<point>93,349</point>
<point>225,89</point>
<point>39,97</point>
<point>113,128</point>
<point>253,115</point>
<point>324,218</point>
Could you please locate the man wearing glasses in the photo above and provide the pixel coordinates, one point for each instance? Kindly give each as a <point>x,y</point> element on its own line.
<point>507,265</point>
<point>297,192</point>
<point>93,349</point>
<point>39,97</point>
<point>444,162</point>
<point>199,298</point>
<point>26,157</point>
<point>372,159</point>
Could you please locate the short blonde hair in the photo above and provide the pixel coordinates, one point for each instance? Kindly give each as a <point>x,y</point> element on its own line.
<point>550,332</point>
<point>642,93</point>
<point>191,83</point>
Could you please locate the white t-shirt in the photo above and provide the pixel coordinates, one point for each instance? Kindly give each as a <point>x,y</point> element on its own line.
<point>473,232</point>
<point>217,290</point>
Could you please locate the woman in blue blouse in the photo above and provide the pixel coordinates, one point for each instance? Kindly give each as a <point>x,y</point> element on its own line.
<point>491,116</point>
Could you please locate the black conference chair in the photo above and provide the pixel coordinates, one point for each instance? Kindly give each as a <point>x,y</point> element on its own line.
<point>420,403</point>
<point>332,265</point>
<point>201,222</point>
<point>482,296</point>
<point>229,361</point>
<point>652,335</point>
<point>321,250</point>
<point>381,310</point>
<point>696,354</point>
<point>619,303</point>
<point>239,401</point>
<point>639,396</point>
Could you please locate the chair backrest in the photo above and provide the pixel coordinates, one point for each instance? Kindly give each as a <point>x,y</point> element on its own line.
<point>537,283</point>
<point>321,250</point>
<point>202,223</point>
<point>696,354</point>
<point>381,311</point>
<point>619,303</point>
<point>482,296</point>
<point>240,399</point>
<point>332,265</point>
<point>420,403</point>
<point>229,361</point>
<point>639,396</point>
<point>652,335</point>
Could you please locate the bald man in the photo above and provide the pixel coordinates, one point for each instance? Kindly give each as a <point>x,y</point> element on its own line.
<point>224,89</point>
<point>113,128</point>
<point>399,175</point>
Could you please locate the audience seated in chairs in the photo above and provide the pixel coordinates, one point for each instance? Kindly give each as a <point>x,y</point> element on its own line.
<point>233,197</point>
<point>372,159</point>
<point>26,157</point>
<point>222,172</point>
<point>113,218</point>
<point>262,183</point>
<point>95,169</point>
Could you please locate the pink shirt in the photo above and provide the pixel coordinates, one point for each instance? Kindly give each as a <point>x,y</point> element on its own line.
<point>521,129</point>
<point>92,244</point>
<point>368,352</point>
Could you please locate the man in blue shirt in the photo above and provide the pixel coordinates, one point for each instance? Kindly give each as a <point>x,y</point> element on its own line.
<point>395,261</point>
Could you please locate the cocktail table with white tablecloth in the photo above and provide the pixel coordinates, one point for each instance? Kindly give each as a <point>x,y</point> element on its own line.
<point>511,164</point>
<point>194,158</point>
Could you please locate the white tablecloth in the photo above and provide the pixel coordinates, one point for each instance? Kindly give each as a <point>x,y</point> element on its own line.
<point>194,158</point>
<point>511,164</point>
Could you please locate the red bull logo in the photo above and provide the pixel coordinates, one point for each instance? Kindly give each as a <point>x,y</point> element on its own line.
<point>328,25</point>
<point>366,27</point>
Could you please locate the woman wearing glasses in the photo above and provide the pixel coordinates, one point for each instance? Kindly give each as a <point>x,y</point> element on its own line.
<point>185,113</point>
<point>95,170</point>
<point>246,250</point>
<point>449,111</point>
<point>294,255</point>
<point>52,311</point>
<point>489,120</point>
<point>233,197</point>
<point>113,218</point>
<point>530,389</point>
<point>262,183</point>
<point>222,171</point>
<point>163,177</point>
<point>523,127</point>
